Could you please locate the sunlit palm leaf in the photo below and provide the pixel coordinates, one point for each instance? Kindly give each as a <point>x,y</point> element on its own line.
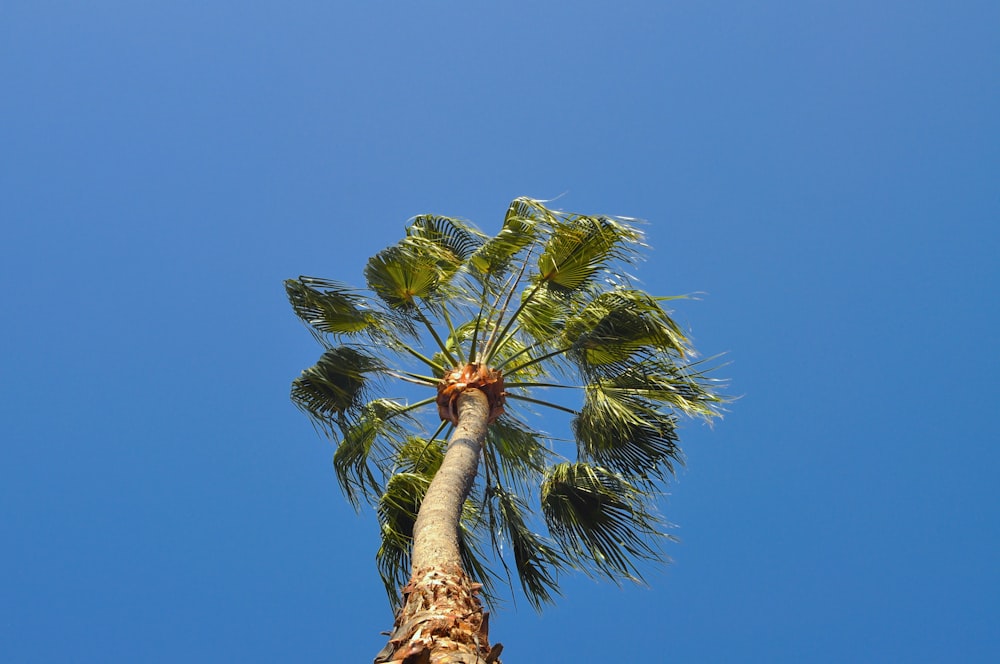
<point>535,211</point>
<point>580,246</point>
<point>514,349</point>
<point>412,269</point>
<point>454,236</point>
<point>541,322</point>
<point>494,258</point>
<point>419,455</point>
<point>683,387</point>
<point>329,307</point>
<point>332,390</point>
<point>599,520</point>
<point>456,342</point>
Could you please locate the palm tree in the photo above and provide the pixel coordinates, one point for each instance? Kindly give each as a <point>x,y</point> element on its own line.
<point>541,315</point>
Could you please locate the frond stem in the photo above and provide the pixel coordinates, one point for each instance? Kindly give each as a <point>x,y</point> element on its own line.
<point>526,349</point>
<point>451,332</point>
<point>513,319</point>
<point>430,440</point>
<point>479,320</point>
<point>567,387</point>
<point>414,378</point>
<point>508,288</point>
<point>520,397</point>
<point>536,360</point>
<point>418,404</point>
<point>440,343</point>
<point>426,360</point>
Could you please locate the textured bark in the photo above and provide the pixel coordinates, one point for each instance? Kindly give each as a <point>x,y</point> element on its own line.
<point>441,619</point>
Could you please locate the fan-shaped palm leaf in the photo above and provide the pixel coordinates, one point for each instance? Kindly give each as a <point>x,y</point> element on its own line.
<point>380,427</point>
<point>494,257</point>
<point>414,269</point>
<point>420,455</point>
<point>617,324</point>
<point>579,246</point>
<point>684,387</point>
<point>515,453</point>
<point>543,316</point>
<point>329,307</point>
<point>623,432</point>
<point>455,237</point>
<point>599,519</point>
<point>334,389</point>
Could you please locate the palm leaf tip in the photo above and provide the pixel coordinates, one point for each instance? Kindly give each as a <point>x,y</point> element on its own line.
<point>617,325</point>
<point>493,258</point>
<point>686,388</point>
<point>515,452</point>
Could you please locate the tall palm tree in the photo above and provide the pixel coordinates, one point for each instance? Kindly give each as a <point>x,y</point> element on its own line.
<point>541,315</point>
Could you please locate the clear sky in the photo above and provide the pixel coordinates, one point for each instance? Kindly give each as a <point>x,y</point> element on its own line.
<point>825,174</point>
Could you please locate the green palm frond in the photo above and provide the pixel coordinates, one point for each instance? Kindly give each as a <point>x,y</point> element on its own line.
<point>474,559</point>
<point>515,452</point>
<point>544,315</point>
<point>535,212</point>
<point>415,268</point>
<point>381,425</point>
<point>329,307</point>
<point>420,455</point>
<point>456,237</point>
<point>397,513</point>
<point>684,387</point>
<point>600,520</point>
<point>619,430</point>
<point>493,259</point>
<point>334,389</point>
<point>455,343</point>
<point>580,246</point>
<point>536,559</point>
<point>617,324</point>
<point>511,352</point>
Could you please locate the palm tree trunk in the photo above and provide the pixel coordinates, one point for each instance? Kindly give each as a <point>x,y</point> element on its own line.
<point>441,619</point>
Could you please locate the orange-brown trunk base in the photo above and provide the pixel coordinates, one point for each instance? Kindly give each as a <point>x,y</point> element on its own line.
<point>441,621</point>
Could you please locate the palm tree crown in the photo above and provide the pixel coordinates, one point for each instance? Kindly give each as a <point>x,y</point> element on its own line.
<point>543,307</point>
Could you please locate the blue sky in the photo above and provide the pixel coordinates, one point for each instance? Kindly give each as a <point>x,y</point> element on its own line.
<point>825,174</point>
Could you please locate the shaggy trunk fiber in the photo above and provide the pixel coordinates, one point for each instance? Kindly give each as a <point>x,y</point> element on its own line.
<point>442,620</point>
